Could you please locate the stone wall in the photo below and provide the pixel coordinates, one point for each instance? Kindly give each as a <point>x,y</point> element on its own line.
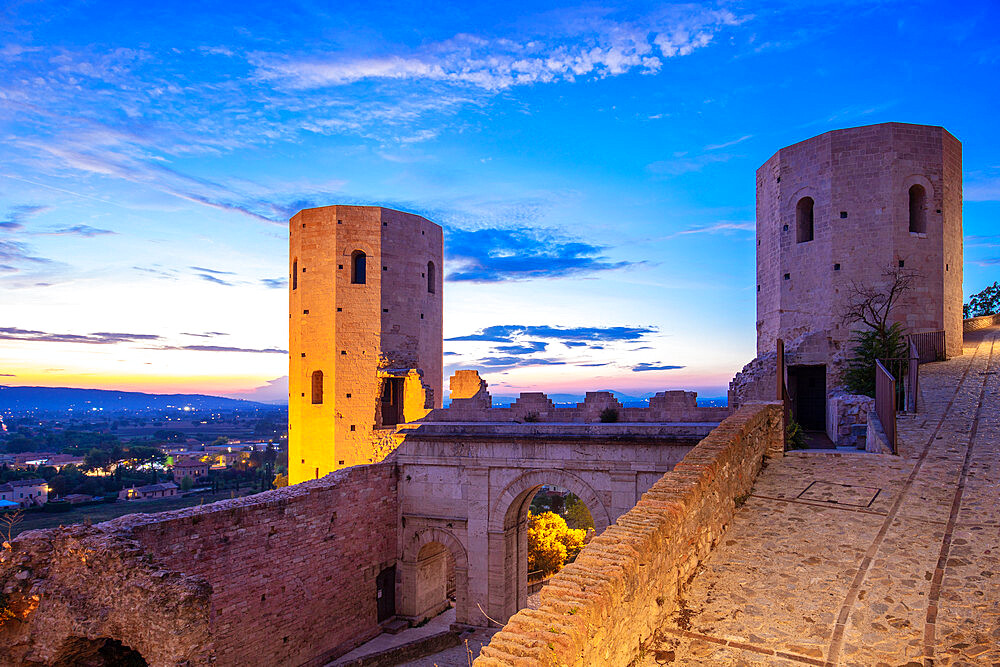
<point>285,577</point>
<point>603,607</point>
<point>977,323</point>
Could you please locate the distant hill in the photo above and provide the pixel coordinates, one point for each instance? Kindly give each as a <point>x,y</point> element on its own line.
<point>21,399</point>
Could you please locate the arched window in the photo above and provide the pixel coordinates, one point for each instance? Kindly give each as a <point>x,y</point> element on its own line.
<point>918,209</point>
<point>430,277</point>
<point>317,387</point>
<point>804,220</point>
<point>295,274</point>
<point>358,260</point>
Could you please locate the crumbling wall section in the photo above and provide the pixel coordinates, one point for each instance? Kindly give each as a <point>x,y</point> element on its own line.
<point>285,577</point>
<point>602,608</point>
<point>65,591</point>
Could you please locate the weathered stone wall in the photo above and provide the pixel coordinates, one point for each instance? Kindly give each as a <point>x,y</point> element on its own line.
<point>65,591</point>
<point>601,609</point>
<point>285,577</point>
<point>977,323</point>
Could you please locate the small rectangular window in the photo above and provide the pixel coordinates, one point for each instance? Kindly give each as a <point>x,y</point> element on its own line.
<point>788,276</point>
<point>836,267</point>
<point>843,214</point>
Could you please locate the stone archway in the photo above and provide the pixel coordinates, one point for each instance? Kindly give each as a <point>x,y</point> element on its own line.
<point>424,554</point>
<point>508,535</point>
<point>514,494</point>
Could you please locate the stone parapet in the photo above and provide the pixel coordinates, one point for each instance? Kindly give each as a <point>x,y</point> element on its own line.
<point>977,323</point>
<point>598,406</point>
<point>604,607</point>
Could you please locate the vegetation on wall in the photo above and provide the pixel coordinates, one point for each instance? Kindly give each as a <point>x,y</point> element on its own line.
<point>986,302</point>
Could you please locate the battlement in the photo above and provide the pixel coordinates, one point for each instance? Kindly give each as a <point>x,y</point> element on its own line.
<point>472,402</point>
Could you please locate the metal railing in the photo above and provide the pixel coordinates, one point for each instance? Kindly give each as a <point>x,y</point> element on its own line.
<point>885,402</point>
<point>929,345</point>
<point>906,372</point>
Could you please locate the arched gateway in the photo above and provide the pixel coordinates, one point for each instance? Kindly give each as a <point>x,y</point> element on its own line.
<point>465,491</point>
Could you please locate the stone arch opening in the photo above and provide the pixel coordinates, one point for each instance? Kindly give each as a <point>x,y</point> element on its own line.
<point>804,222</point>
<point>434,575</point>
<point>359,261</point>
<point>918,209</point>
<point>101,652</point>
<point>508,534</point>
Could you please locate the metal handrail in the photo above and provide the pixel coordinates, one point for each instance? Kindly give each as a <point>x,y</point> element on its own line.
<point>885,402</point>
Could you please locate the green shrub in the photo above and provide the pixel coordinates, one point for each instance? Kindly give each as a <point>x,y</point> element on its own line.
<point>609,415</point>
<point>869,346</point>
<point>794,435</point>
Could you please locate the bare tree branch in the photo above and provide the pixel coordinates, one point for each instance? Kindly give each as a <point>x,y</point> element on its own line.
<point>872,305</point>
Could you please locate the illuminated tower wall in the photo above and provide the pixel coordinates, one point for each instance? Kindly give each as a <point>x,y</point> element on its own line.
<point>364,330</point>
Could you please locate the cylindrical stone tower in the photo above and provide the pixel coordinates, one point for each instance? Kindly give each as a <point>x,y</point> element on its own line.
<point>365,333</point>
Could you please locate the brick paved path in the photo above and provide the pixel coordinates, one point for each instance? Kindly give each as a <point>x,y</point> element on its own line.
<point>861,559</point>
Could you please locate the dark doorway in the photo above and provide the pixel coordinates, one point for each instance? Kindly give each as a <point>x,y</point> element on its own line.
<point>385,585</point>
<point>392,401</point>
<point>807,389</point>
<point>103,652</point>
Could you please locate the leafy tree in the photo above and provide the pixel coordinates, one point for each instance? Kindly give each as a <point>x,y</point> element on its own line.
<point>577,515</point>
<point>186,483</point>
<point>982,303</point>
<point>551,543</point>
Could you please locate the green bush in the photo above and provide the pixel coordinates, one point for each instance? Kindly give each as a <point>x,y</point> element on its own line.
<point>869,346</point>
<point>609,415</point>
<point>794,435</point>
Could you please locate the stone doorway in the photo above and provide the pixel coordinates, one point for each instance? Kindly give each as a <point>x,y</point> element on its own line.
<point>807,390</point>
<point>392,401</point>
<point>385,591</point>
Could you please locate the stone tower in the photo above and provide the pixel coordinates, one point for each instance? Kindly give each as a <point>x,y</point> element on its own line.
<point>839,208</point>
<point>845,205</point>
<point>364,332</point>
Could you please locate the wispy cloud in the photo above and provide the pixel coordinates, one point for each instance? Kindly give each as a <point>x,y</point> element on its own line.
<point>18,215</point>
<point>682,163</point>
<point>639,368</point>
<point>214,279</point>
<point>725,227</point>
<point>221,348</point>
<point>521,253</point>
<point>508,333</point>
<point>727,144</point>
<point>98,338</point>
<point>587,44</point>
<point>85,231</point>
<point>274,283</point>
<point>981,188</point>
<point>202,269</point>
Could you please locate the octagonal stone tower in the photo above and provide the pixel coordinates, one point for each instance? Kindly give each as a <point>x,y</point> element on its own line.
<point>841,208</point>
<point>365,333</point>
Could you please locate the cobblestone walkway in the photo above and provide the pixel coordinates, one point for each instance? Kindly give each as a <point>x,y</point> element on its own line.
<point>865,560</point>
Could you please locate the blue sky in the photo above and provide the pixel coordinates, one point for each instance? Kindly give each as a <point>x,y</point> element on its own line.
<point>592,164</point>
